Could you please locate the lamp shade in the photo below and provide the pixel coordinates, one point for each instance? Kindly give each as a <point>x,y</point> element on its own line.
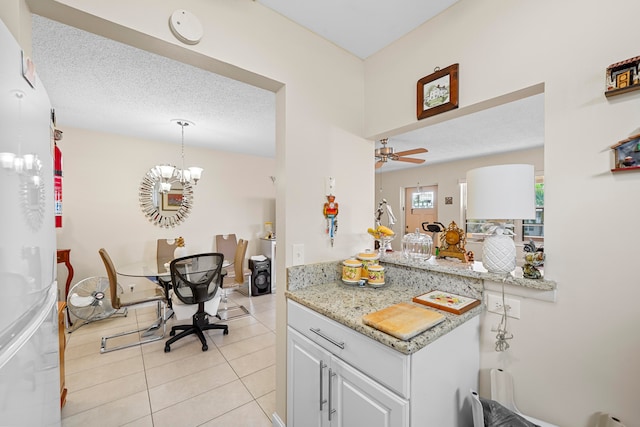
<point>195,172</point>
<point>166,171</point>
<point>501,192</point>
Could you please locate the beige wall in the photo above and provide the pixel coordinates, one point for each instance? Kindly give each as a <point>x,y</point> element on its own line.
<point>576,357</point>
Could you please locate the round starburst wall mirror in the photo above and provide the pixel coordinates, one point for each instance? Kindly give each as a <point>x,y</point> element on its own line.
<point>165,208</point>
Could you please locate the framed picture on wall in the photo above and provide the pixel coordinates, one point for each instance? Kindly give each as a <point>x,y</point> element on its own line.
<point>28,70</point>
<point>438,92</point>
<point>172,200</point>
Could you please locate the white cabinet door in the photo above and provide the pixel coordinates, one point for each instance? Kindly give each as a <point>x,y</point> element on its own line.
<point>323,391</point>
<point>360,401</point>
<point>307,370</point>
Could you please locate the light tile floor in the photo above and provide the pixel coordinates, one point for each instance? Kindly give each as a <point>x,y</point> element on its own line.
<point>231,384</point>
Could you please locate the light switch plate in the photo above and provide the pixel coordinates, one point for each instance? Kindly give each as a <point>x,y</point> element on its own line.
<point>298,254</point>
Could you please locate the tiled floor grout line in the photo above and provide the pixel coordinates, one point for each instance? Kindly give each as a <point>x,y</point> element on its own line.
<point>146,381</point>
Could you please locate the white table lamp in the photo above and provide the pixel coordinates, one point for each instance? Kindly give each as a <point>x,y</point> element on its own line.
<point>500,193</point>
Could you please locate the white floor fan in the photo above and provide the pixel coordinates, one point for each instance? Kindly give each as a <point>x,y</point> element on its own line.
<point>90,300</point>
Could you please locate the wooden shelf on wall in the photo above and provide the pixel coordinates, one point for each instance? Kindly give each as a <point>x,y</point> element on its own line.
<point>614,92</point>
<point>623,77</point>
<point>628,168</point>
<point>627,154</point>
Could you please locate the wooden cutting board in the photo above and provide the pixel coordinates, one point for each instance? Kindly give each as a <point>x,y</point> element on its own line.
<point>403,320</point>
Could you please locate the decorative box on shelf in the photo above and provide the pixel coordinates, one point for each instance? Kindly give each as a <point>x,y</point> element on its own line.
<point>627,154</point>
<point>623,77</point>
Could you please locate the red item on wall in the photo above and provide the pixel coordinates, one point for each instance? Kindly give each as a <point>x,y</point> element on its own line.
<point>57,185</point>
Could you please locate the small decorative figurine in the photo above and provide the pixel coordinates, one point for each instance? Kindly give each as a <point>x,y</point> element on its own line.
<point>380,211</point>
<point>180,250</point>
<point>330,213</point>
<point>470,257</point>
<point>533,258</point>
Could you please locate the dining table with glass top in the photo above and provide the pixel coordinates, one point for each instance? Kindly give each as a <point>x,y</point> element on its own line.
<point>150,268</point>
<point>159,274</point>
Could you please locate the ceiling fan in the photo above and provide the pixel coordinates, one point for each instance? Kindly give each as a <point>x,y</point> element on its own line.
<point>385,153</point>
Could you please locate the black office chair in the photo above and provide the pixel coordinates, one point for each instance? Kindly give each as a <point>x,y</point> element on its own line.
<point>196,279</point>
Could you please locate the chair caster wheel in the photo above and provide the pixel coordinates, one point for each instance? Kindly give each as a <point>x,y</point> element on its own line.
<point>205,347</point>
<point>167,349</point>
<point>226,332</point>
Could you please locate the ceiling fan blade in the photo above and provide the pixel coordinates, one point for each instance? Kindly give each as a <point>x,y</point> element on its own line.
<point>409,159</point>
<point>410,152</point>
<point>379,164</point>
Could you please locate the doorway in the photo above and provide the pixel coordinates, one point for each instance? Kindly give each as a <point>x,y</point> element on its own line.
<point>421,205</point>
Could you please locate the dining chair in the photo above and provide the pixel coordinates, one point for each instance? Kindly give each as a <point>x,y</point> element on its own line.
<point>196,279</point>
<point>226,244</point>
<point>236,278</point>
<point>119,299</point>
<point>164,254</point>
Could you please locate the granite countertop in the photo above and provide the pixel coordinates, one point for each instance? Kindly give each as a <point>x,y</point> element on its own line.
<point>347,304</point>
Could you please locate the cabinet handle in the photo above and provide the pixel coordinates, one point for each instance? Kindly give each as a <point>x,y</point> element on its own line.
<point>331,340</point>
<point>322,401</point>
<point>331,375</point>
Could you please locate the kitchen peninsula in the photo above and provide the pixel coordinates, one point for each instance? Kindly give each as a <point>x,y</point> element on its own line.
<point>344,372</point>
<point>341,371</point>
<point>319,287</point>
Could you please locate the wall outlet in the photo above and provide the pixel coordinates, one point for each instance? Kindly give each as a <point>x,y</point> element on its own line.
<point>494,305</point>
<point>298,254</point>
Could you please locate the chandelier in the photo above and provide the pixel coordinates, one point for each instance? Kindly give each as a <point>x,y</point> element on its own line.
<point>170,174</point>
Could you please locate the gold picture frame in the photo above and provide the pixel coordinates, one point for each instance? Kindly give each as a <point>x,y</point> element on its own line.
<point>172,201</point>
<point>437,92</point>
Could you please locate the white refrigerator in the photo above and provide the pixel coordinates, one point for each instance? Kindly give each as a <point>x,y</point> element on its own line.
<point>29,359</point>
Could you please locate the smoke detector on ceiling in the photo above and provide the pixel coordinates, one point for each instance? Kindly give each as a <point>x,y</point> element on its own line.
<point>185,26</point>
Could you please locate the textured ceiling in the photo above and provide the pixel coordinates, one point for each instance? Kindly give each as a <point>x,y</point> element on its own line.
<point>99,84</point>
<point>103,85</point>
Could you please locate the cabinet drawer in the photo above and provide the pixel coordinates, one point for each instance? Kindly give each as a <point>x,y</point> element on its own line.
<point>375,360</point>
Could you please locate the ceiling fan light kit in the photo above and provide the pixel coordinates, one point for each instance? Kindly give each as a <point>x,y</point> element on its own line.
<point>385,153</point>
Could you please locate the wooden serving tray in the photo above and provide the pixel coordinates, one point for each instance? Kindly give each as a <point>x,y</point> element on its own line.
<point>403,320</point>
<point>447,301</point>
